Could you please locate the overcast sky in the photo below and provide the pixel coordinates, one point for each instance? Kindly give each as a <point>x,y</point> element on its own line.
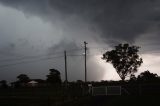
<point>34,34</point>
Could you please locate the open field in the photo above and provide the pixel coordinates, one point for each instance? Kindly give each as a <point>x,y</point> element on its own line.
<point>83,101</point>
<point>38,96</point>
<point>69,97</point>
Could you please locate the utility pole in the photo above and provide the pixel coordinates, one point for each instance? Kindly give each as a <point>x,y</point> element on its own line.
<point>65,59</point>
<point>85,48</point>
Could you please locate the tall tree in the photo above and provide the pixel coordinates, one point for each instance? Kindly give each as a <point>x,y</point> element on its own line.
<point>23,78</point>
<point>125,59</point>
<point>54,76</point>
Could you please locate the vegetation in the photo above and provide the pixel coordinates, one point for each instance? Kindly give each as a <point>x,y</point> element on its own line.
<point>3,84</point>
<point>124,59</point>
<point>54,77</point>
<point>23,78</point>
<point>147,76</point>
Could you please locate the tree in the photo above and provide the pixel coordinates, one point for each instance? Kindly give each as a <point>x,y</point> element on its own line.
<point>124,59</point>
<point>23,78</point>
<point>133,78</point>
<point>54,77</point>
<point>3,84</point>
<point>147,76</point>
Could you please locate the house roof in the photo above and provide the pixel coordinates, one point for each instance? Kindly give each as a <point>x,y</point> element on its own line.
<point>33,82</point>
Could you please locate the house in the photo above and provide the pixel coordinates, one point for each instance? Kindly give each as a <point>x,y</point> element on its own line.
<point>32,83</point>
<point>36,83</point>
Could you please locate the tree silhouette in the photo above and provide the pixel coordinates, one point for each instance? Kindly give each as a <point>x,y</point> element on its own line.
<point>124,59</point>
<point>23,78</point>
<point>54,77</point>
<point>3,84</point>
<point>147,76</point>
<point>133,78</point>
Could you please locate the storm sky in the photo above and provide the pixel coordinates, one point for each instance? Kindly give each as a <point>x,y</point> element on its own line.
<point>34,34</point>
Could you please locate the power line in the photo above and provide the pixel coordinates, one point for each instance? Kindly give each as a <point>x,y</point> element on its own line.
<point>30,61</point>
<point>29,57</point>
<point>71,50</point>
<point>72,55</point>
<point>37,56</point>
<point>96,47</point>
<point>1,66</point>
<point>6,53</point>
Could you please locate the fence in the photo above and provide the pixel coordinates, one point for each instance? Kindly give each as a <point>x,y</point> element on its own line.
<point>106,90</point>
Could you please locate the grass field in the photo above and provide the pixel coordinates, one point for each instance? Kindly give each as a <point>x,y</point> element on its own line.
<point>69,97</point>
<point>83,101</point>
<point>38,96</point>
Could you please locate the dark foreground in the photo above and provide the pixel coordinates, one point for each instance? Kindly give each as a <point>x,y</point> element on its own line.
<point>71,97</point>
<point>85,101</point>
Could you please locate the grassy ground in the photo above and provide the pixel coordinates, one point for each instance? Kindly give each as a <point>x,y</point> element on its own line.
<point>39,96</point>
<point>70,97</point>
<point>83,101</point>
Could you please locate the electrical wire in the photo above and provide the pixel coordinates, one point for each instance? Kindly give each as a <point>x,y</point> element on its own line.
<point>37,56</point>
<point>6,65</point>
<point>29,59</point>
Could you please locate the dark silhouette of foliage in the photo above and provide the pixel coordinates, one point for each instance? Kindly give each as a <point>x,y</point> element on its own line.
<point>124,59</point>
<point>147,76</point>
<point>23,78</point>
<point>54,77</point>
<point>133,78</point>
<point>3,84</point>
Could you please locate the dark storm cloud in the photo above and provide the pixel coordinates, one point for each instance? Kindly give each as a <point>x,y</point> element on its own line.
<point>117,19</point>
<point>64,45</point>
<point>113,21</point>
<point>29,6</point>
